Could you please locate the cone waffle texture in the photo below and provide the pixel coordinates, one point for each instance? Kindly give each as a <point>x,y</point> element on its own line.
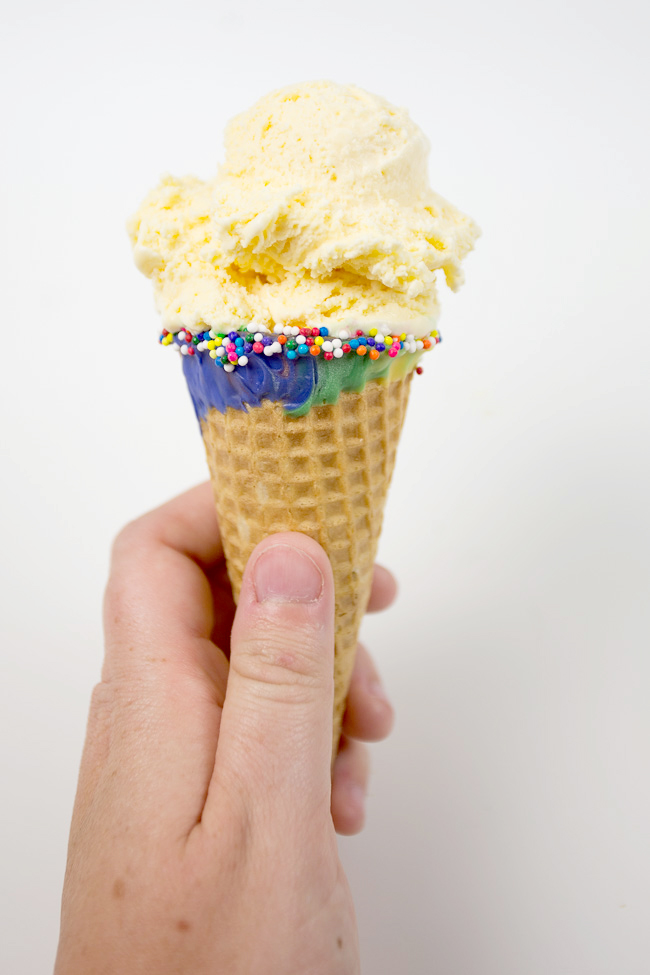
<point>325,474</point>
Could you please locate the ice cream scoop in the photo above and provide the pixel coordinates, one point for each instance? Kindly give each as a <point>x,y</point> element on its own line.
<point>321,214</point>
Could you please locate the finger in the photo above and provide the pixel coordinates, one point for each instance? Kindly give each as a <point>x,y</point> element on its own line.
<point>157,594</point>
<point>384,589</point>
<point>224,606</point>
<point>369,715</point>
<point>349,787</point>
<point>154,719</point>
<point>275,739</point>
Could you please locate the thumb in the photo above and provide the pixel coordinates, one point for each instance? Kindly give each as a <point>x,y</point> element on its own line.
<point>276,729</point>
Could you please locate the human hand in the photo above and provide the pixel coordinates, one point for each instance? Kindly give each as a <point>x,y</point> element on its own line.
<point>203,834</point>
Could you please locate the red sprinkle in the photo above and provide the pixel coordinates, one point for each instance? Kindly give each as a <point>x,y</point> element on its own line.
<point>315,332</point>
<point>258,347</point>
<point>309,341</point>
<point>359,332</point>
<point>419,370</point>
<point>346,347</point>
<point>328,355</point>
<point>191,352</point>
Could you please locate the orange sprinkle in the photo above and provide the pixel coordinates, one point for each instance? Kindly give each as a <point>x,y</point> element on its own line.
<point>361,350</point>
<point>426,344</point>
<point>315,349</point>
<point>374,354</point>
<point>282,339</point>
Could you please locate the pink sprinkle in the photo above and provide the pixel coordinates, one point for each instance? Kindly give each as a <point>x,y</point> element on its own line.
<point>232,357</point>
<point>258,347</point>
<point>393,351</point>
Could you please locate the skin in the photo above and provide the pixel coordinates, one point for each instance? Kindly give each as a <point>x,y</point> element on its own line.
<point>203,837</point>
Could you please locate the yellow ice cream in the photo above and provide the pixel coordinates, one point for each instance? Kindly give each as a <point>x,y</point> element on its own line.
<point>321,214</point>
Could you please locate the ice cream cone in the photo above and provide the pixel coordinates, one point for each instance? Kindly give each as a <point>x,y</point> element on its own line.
<point>325,474</point>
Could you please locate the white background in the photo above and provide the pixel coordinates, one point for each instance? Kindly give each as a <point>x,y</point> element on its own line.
<point>509,814</point>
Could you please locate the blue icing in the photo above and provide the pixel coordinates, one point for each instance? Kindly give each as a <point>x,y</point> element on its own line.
<point>265,377</point>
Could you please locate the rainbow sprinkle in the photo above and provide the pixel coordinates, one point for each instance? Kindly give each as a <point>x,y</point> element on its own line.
<point>233,349</point>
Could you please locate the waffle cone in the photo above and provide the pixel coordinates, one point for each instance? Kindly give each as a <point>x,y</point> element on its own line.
<point>325,474</point>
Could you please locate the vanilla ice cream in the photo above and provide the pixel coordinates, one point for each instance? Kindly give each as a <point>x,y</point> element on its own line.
<point>321,215</point>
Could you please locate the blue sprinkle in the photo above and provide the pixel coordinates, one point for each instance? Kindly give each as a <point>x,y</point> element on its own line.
<point>267,340</point>
<point>248,347</point>
<point>324,331</point>
<point>370,340</point>
<point>301,350</point>
<point>380,346</point>
<point>239,342</point>
<point>291,354</point>
<point>362,340</point>
<point>233,336</point>
<point>354,343</point>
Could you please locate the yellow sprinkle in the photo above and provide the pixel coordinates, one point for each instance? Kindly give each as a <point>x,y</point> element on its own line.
<point>218,342</point>
<point>213,354</point>
<point>403,337</point>
<point>373,332</point>
<point>168,339</point>
<point>319,340</point>
<point>212,345</point>
<point>388,340</point>
<point>434,334</point>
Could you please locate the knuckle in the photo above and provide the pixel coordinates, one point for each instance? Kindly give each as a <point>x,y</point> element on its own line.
<point>294,662</point>
<point>129,538</point>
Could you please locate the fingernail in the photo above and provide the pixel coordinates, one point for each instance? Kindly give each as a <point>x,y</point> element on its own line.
<point>378,692</point>
<point>285,574</point>
<point>357,796</point>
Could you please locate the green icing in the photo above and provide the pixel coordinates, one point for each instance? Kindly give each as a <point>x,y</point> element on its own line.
<point>350,373</point>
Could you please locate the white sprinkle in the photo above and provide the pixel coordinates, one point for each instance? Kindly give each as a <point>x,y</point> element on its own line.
<point>300,339</point>
<point>409,338</point>
<point>229,367</point>
<point>242,360</point>
<point>419,344</point>
<point>258,336</point>
<point>338,353</point>
<point>202,346</point>
<point>336,344</point>
<point>295,330</point>
<point>413,346</point>
<point>276,347</point>
<point>184,349</point>
<point>344,335</point>
<point>221,350</point>
<point>278,329</point>
<point>212,334</point>
<point>379,337</point>
<point>327,346</point>
<point>268,349</point>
